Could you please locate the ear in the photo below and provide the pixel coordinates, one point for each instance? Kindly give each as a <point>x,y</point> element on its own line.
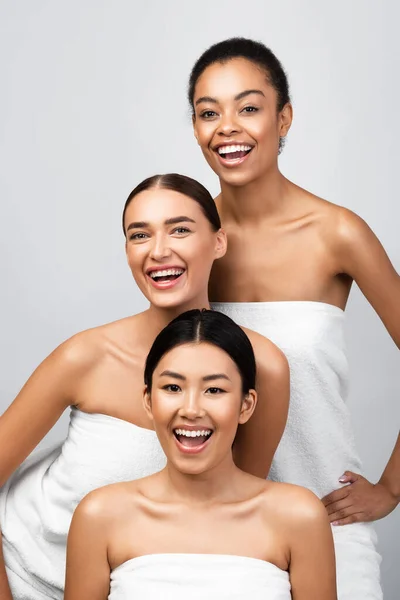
<point>285,119</point>
<point>147,402</point>
<point>221,244</point>
<point>248,406</point>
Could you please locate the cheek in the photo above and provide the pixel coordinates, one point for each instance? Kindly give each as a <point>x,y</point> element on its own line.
<point>135,258</point>
<point>227,415</point>
<point>202,258</point>
<point>205,133</point>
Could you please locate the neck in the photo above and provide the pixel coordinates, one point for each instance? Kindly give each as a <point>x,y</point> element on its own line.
<point>157,318</point>
<point>214,486</point>
<point>260,199</point>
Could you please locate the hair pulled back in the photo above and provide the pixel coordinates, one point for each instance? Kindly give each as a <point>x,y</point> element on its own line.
<point>205,326</point>
<point>255,52</point>
<point>184,185</point>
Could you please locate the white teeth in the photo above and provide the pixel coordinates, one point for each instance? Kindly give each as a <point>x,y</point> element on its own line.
<point>188,433</point>
<point>165,272</point>
<point>229,149</point>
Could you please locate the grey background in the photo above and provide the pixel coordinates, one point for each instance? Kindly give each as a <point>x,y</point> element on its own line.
<point>93,100</point>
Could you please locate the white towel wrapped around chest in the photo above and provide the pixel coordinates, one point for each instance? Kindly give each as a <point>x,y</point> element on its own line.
<point>198,577</point>
<point>318,443</point>
<point>37,503</point>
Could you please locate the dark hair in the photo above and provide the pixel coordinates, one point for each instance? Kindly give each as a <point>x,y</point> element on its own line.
<point>207,326</point>
<point>184,185</point>
<point>256,53</point>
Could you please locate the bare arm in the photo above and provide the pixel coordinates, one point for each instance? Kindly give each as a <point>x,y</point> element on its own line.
<point>40,403</point>
<point>312,557</point>
<point>391,475</point>
<point>362,256</point>
<point>257,440</point>
<point>88,569</point>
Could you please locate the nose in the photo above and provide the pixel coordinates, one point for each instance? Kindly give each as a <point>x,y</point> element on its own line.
<point>191,406</point>
<point>228,125</point>
<point>160,247</point>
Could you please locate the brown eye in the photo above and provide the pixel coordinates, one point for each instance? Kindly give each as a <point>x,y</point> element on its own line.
<point>172,387</point>
<point>138,236</point>
<point>208,114</point>
<point>215,390</point>
<point>181,230</point>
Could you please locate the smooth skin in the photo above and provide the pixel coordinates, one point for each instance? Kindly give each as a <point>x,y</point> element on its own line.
<point>101,370</point>
<point>225,510</point>
<point>287,244</point>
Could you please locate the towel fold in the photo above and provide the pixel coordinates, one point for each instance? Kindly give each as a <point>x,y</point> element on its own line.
<point>198,576</point>
<point>318,443</point>
<point>37,503</point>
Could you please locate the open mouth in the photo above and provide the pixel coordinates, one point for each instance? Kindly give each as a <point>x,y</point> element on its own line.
<point>192,438</point>
<point>234,152</point>
<point>165,275</point>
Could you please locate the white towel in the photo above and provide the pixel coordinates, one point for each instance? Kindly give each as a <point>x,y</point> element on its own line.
<point>318,443</point>
<point>198,577</point>
<point>37,503</point>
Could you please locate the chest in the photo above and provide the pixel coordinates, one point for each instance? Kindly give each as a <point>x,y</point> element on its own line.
<point>205,533</point>
<point>116,388</point>
<point>273,264</point>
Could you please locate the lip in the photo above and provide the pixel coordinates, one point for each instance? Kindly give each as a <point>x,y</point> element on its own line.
<point>192,427</point>
<point>193,449</point>
<point>164,285</point>
<point>163,268</point>
<point>235,162</point>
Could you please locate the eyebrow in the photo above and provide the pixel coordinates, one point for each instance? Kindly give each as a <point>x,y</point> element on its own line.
<point>236,98</point>
<point>172,221</point>
<point>175,375</point>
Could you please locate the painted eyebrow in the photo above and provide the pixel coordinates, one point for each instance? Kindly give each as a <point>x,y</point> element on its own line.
<point>212,377</point>
<point>216,376</point>
<point>172,221</point>
<point>168,373</point>
<point>236,98</point>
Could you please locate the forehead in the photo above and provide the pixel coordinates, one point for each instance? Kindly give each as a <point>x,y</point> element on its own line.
<point>198,360</point>
<point>159,204</point>
<point>230,78</point>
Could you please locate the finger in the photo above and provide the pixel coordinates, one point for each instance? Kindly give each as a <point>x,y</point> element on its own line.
<point>335,496</point>
<point>348,477</point>
<point>344,513</point>
<point>337,506</point>
<point>356,518</point>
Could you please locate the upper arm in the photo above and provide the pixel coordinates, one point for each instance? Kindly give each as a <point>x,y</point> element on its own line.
<point>312,557</point>
<point>88,570</point>
<point>257,440</point>
<point>40,403</point>
<point>362,256</point>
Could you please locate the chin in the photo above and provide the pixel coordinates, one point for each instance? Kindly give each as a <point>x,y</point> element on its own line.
<point>171,301</point>
<point>238,179</point>
<point>192,469</point>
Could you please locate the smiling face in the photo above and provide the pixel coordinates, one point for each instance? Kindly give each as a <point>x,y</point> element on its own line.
<point>196,405</point>
<point>236,121</point>
<point>170,247</point>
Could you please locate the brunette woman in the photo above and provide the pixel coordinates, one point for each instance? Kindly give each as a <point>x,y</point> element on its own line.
<point>173,235</point>
<point>201,528</point>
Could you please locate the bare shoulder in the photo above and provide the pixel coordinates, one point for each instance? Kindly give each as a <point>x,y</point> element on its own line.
<point>294,505</point>
<point>87,348</point>
<point>106,504</point>
<point>268,356</point>
<point>340,225</point>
